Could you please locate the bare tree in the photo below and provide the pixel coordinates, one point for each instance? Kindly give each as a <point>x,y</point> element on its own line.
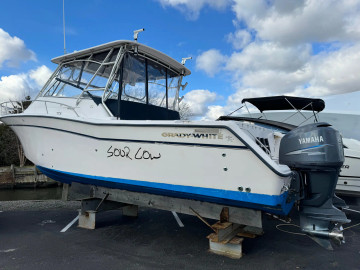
<point>185,111</point>
<point>14,108</point>
<point>21,154</point>
<point>8,148</point>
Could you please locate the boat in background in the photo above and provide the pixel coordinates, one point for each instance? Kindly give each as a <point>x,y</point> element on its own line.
<point>11,107</point>
<point>349,176</point>
<point>347,123</point>
<point>109,116</point>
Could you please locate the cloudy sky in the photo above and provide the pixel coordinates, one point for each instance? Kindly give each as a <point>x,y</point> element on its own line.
<point>239,48</point>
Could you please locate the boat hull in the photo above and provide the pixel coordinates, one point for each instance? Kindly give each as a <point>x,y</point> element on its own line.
<point>349,178</point>
<point>204,162</point>
<point>273,204</point>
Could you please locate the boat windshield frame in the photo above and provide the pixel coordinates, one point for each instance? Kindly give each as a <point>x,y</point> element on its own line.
<point>113,64</point>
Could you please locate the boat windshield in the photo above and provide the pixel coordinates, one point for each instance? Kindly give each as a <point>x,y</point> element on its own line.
<point>89,74</point>
<point>97,76</point>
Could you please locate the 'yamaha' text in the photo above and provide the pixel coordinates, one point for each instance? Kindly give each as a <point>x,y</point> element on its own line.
<point>313,139</point>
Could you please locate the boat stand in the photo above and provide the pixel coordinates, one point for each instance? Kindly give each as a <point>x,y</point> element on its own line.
<point>228,233</point>
<point>228,237</point>
<point>91,206</point>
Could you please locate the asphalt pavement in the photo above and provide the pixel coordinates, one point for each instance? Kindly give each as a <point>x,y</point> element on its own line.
<point>30,238</point>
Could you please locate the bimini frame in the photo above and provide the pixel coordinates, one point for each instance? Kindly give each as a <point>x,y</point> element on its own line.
<point>279,103</point>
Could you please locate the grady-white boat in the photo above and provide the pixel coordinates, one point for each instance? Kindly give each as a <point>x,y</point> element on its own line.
<point>349,176</point>
<point>109,116</point>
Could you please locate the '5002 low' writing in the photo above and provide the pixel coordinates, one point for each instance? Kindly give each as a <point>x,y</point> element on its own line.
<point>126,152</point>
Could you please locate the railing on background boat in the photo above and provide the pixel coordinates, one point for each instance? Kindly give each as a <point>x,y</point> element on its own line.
<point>11,107</point>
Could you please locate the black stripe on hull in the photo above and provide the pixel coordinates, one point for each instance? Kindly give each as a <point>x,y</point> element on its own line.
<point>246,145</point>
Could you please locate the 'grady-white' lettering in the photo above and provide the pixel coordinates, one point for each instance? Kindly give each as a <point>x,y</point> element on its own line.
<point>193,135</point>
<point>312,139</point>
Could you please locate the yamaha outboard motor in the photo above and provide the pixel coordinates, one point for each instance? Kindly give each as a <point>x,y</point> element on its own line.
<point>315,154</point>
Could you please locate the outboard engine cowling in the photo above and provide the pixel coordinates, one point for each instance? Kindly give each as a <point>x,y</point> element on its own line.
<point>315,152</point>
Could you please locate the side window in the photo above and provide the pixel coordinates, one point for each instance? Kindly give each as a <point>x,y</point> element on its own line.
<point>134,79</point>
<point>134,82</point>
<point>156,84</point>
<point>173,85</point>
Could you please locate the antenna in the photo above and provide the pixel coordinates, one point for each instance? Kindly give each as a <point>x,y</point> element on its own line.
<point>64,25</point>
<point>136,33</point>
<point>183,61</point>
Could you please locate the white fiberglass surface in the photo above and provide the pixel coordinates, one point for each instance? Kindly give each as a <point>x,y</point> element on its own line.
<point>169,163</point>
<point>167,131</point>
<point>66,107</point>
<point>352,145</point>
<point>267,139</point>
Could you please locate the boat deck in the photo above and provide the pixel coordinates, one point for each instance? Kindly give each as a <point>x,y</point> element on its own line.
<point>31,239</point>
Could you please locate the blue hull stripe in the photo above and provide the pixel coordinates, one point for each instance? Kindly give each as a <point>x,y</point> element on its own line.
<point>267,203</point>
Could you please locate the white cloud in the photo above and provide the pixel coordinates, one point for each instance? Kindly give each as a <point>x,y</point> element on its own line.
<point>214,112</point>
<point>192,7</point>
<point>295,22</point>
<point>276,82</point>
<point>13,50</point>
<point>264,65</point>
<point>324,74</point>
<point>40,75</point>
<point>304,47</point>
<point>287,70</point>
<point>337,71</point>
<point>287,22</point>
<point>210,61</point>
<point>285,6</point>
<point>249,10</point>
<point>239,39</point>
<point>234,101</point>
<point>16,87</point>
<point>198,101</point>
<point>269,55</point>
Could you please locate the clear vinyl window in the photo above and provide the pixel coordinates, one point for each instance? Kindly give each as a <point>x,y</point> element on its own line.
<point>146,81</point>
<point>89,74</point>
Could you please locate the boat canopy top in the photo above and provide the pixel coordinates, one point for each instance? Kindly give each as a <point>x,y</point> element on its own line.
<point>139,48</point>
<point>277,103</point>
<point>132,81</point>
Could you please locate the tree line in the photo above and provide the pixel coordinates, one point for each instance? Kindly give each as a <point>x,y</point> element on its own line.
<point>11,150</point>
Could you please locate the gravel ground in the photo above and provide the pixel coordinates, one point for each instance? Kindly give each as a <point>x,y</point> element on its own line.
<point>38,205</point>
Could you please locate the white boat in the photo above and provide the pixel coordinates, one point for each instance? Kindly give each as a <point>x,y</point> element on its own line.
<point>349,177</point>
<point>11,107</point>
<point>81,128</point>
